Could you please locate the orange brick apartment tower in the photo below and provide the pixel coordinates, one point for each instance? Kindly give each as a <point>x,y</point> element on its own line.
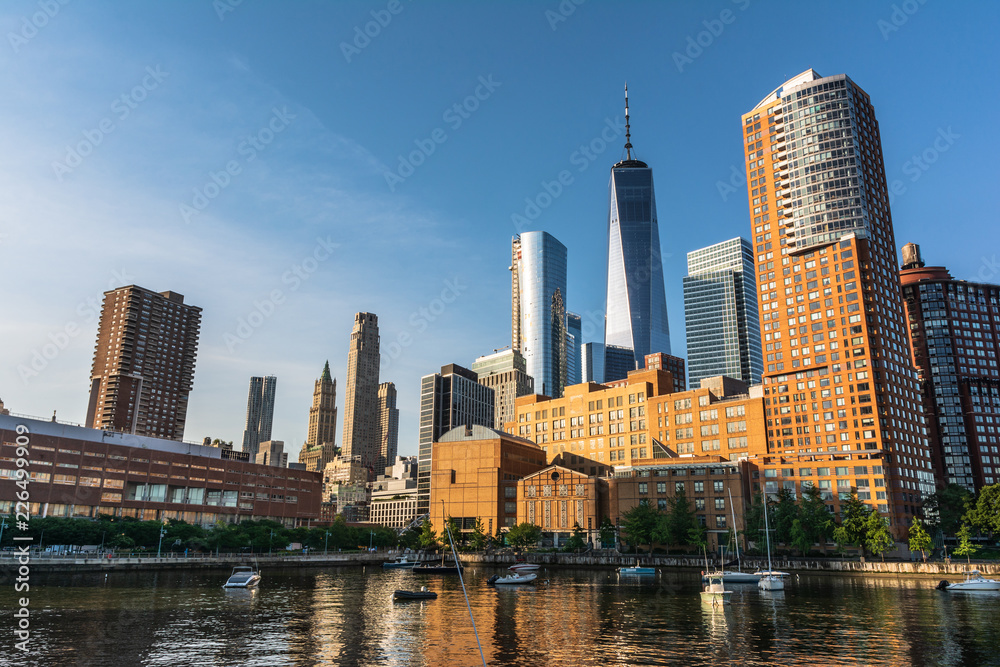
<point>839,385</point>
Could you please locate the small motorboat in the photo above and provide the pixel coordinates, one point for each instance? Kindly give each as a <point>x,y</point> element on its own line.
<point>736,577</point>
<point>635,569</point>
<point>243,576</point>
<point>422,594</point>
<point>400,563</point>
<point>525,578</point>
<point>974,581</point>
<point>715,592</point>
<point>443,568</point>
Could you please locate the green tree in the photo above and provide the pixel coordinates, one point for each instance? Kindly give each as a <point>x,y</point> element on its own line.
<point>800,537</point>
<point>639,523</point>
<point>842,538</point>
<point>965,546</point>
<point>753,523</point>
<point>576,541</point>
<point>428,536</point>
<point>920,539</point>
<point>783,514</point>
<point>410,538</point>
<point>985,513</point>
<point>455,530</point>
<point>607,532</point>
<point>479,537</point>
<point>945,509</point>
<point>878,539</point>
<point>524,535</point>
<point>854,521</point>
<point>817,520</point>
<point>681,519</point>
<point>697,536</point>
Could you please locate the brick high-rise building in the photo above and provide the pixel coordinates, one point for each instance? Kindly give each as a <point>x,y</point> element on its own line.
<point>955,336</point>
<point>319,448</point>
<point>260,413</point>
<point>361,405</point>
<point>840,388</point>
<point>505,373</point>
<point>388,426</point>
<point>143,363</point>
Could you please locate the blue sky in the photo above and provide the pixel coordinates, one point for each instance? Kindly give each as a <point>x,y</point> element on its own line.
<point>238,152</point>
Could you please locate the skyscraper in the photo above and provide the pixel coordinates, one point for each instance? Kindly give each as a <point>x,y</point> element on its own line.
<point>388,426</point>
<point>720,313</point>
<point>448,399</point>
<point>538,308</point>
<point>636,310</point>
<point>143,363</point>
<point>592,362</point>
<point>839,384</point>
<point>505,373</point>
<point>954,328</point>
<point>574,341</point>
<point>361,406</point>
<point>260,413</point>
<point>319,448</point>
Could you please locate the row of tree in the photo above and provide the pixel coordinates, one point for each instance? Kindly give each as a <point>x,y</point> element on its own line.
<point>127,533</point>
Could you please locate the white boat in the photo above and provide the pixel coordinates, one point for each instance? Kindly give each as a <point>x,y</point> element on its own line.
<point>715,592</point>
<point>635,569</point>
<point>974,581</point>
<point>400,563</point>
<point>525,578</point>
<point>524,567</point>
<point>243,576</point>
<point>769,580</point>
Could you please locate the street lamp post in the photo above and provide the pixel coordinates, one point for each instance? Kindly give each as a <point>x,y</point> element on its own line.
<point>3,524</point>
<point>269,540</point>
<point>163,530</point>
<point>371,536</point>
<point>103,533</point>
<point>326,542</point>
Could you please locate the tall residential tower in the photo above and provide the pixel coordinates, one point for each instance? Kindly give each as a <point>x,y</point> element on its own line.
<point>839,385</point>
<point>538,309</point>
<point>388,425</point>
<point>143,363</point>
<point>260,413</point>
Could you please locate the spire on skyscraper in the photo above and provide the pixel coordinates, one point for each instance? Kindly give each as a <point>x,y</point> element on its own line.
<point>325,377</point>
<point>628,133</point>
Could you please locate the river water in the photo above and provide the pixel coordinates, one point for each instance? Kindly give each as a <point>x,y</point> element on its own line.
<point>344,616</point>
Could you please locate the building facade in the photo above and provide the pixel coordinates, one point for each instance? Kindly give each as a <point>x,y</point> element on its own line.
<point>636,307</point>
<point>319,448</point>
<point>505,373</point>
<point>955,338</point>
<point>272,453</point>
<point>618,362</point>
<point>720,313</point>
<point>83,472</point>
<point>388,426</point>
<point>449,399</point>
<point>362,425</point>
<point>144,360</point>
<point>668,362</point>
<point>538,274</point>
<point>574,340</point>
<point>839,384</point>
<point>260,413</point>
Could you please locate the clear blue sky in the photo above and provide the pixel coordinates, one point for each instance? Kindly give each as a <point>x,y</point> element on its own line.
<point>161,96</point>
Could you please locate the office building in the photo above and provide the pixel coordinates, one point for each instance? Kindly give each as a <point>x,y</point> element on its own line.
<point>144,362</point>
<point>636,309</point>
<point>618,362</point>
<point>388,425</point>
<point>505,373</point>
<point>955,337</point>
<point>720,313</point>
<point>574,341</point>
<point>260,413</point>
<point>272,453</point>
<point>394,495</point>
<point>592,362</point>
<point>538,308</point>
<point>362,418</point>
<point>319,448</point>
<point>84,472</point>
<point>668,362</point>
<point>448,399</point>
<point>838,380</point>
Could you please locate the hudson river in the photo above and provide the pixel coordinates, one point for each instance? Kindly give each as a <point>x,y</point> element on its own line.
<point>345,617</point>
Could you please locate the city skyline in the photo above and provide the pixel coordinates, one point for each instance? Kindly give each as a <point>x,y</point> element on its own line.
<point>278,297</point>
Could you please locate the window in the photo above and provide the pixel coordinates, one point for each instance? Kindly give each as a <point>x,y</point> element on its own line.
<point>717,485</point>
<point>643,487</point>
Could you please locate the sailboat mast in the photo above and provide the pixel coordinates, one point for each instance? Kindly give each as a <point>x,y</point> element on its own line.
<point>767,533</point>
<point>736,535</point>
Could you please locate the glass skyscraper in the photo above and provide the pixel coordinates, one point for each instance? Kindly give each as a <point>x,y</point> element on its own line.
<point>636,310</point>
<point>574,341</point>
<point>538,309</point>
<point>720,313</point>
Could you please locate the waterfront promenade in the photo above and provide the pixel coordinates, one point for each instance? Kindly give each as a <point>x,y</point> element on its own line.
<point>555,560</point>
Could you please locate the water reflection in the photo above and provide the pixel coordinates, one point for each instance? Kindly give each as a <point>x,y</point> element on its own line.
<point>345,616</point>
